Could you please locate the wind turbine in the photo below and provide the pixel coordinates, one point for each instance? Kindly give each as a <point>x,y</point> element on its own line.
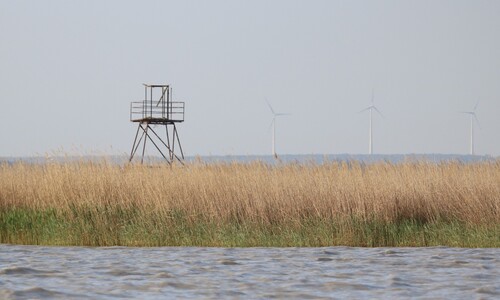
<point>371,108</point>
<point>273,124</point>
<point>473,117</point>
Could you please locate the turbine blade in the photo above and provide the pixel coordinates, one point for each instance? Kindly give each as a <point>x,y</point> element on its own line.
<point>373,96</point>
<point>477,121</point>
<point>376,109</point>
<point>475,107</point>
<point>270,107</point>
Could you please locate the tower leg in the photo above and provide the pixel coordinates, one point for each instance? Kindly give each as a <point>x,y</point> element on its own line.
<point>179,141</point>
<point>173,143</point>
<point>136,144</point>
<point>145,139</point>
<point>169,144</point>
<point>158,148</point>
<point>133,145</point>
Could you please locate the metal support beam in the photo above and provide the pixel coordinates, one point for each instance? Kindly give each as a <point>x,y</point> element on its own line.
<point>164,113</point>
<point>169,145</point>
<point>145,139</point>
<point>178,141</point>
<point>133,145</point>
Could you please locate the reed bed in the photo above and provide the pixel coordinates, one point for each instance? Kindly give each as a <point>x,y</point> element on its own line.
<point>252,204</point>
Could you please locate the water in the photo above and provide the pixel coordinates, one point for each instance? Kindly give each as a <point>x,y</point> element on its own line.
<point>269,159</point>
<point>33,272</point>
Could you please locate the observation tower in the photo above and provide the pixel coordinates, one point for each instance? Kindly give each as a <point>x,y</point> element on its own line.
<point>155,111</point>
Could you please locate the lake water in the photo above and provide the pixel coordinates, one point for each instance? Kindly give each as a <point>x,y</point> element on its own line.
<point>33,272</point>
<point>269,159</point>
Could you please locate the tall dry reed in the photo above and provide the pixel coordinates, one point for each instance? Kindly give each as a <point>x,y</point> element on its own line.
<point>257,193</point>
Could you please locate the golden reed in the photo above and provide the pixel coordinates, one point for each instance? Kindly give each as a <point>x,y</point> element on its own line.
<point>257,193</point>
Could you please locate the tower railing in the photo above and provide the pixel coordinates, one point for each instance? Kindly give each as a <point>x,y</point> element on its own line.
<point>146,110</point>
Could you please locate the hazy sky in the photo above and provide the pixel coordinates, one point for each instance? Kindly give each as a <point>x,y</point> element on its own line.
<point>68,70</point>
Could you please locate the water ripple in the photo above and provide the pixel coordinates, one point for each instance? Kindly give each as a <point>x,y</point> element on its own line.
<point>29,272</point>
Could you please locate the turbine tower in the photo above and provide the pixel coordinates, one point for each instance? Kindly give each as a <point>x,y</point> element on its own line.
<point>273,124</point>
<point>371,108</point>
<point>473,117</point>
